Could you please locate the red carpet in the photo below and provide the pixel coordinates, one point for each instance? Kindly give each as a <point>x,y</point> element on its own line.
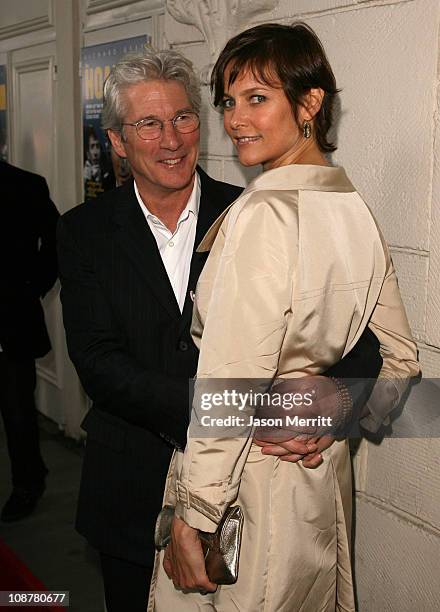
<point>15,576</point>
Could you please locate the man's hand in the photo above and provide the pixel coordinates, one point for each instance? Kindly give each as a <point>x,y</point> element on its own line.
<point>323,400</point>
<point>183,562</point>
<point>301,443</point>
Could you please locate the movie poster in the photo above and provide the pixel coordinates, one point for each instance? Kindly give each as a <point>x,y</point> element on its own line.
<point>3,117</point>
<point>102,169</point>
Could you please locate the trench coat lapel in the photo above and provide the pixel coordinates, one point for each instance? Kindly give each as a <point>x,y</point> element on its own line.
<point>212,205</point>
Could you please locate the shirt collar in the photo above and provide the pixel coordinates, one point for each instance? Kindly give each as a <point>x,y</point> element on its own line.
<point>192,206</point>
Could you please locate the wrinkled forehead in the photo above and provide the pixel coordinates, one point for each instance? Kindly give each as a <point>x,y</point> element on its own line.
<point>154,96</point>
<point>154,89</point>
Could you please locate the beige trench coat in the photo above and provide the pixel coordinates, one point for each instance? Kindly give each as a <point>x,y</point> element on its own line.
<point>297,269</point>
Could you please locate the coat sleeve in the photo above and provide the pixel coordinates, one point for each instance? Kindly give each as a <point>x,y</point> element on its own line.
<point>111,377</point>
<point>398,349</point>
<point>242,338</point>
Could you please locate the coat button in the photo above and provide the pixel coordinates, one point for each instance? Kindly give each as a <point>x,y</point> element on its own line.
<point>183,346</point>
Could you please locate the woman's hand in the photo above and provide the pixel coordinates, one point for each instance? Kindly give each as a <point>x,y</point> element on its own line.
<point>313,460</point>
<point>184,562</point>
<point>288,447</point>
<point>295,449</point>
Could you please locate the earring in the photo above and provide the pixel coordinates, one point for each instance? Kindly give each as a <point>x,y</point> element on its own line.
<point>307,129</point>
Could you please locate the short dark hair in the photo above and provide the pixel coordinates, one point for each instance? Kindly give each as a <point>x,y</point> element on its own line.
<point>294,55</point>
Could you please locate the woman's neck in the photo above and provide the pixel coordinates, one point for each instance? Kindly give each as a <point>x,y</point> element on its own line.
<point>307,153</point>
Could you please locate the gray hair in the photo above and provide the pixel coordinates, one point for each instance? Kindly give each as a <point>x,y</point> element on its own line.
<point>146,66</point>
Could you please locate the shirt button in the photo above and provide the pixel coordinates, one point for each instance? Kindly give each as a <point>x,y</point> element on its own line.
<point>183,346</point>
<point>171,243</point>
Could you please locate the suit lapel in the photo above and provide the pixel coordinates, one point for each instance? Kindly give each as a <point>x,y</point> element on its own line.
<point>138,242</point>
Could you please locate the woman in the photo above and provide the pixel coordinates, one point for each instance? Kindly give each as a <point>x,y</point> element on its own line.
<point>297,269</point>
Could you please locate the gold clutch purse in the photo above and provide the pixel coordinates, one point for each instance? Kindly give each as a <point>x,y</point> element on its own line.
<point>221,548</point>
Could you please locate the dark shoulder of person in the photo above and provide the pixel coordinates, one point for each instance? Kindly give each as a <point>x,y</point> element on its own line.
<point>26,207</point>
<point>97,215</point>
<point>230,191</point>
<point>16,180</point>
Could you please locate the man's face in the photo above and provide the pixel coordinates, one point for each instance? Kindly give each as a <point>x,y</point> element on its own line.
<point>94,149</point>
<point>167,163</point>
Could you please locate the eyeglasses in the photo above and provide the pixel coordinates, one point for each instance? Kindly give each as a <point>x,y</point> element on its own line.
<point>151,128</point>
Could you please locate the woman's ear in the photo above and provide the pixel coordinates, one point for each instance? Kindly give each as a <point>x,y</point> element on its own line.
<point>311,103</point>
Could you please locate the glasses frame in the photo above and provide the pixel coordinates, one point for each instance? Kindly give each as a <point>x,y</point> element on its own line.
<point>162,123</point>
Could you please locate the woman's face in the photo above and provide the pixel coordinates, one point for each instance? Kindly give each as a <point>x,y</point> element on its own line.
<point>259,120</point>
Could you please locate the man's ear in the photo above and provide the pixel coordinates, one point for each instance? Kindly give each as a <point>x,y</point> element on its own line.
<point>117,142</point>
<point>311,103</point>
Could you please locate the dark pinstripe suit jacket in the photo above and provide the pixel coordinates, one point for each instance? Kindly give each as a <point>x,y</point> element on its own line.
<point>133,352</point>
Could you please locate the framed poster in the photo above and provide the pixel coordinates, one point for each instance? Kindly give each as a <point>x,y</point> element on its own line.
<point>103,170</point>
<point>3,116</point>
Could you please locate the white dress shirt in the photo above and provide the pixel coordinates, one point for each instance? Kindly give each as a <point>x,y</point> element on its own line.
<point>176,247</point>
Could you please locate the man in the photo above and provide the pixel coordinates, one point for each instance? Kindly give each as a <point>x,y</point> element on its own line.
<point>28,269</point>
<point>129,270</point>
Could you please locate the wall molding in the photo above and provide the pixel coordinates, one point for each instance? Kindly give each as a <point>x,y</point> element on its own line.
<point>19,68</point>
<point>29,25</point>
<point>40,63</point>
<point>98,6</point>
<point>350,6</point>
<point>218,21</point>
<point>108,13</point>
<point>158,32</point>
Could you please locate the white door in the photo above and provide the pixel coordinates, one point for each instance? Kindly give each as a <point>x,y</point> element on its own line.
<point>33,98</point>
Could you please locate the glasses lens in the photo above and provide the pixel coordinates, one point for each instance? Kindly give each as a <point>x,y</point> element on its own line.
<point>149,129</point>
<point>186,122</point>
